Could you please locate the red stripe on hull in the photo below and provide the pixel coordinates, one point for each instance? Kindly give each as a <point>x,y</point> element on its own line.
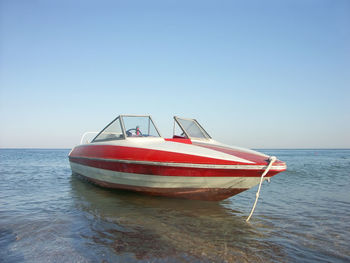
<point>167,170</point>
<point>186,141</point>
<point>141,154</point>
<point>257,159</point>
<point>207,194</point>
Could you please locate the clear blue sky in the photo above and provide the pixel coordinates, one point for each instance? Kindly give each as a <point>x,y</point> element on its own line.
<point>258,74</point>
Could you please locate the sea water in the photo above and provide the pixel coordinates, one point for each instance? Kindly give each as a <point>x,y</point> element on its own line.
<point>49,215</point>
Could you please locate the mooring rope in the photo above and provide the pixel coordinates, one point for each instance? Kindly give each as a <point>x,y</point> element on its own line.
<point>272,159</point>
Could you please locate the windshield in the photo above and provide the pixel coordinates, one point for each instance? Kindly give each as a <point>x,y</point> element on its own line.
<point>191,128</point>
<point>139,126</point>
<point>113,131</point>
<point>128,126</point>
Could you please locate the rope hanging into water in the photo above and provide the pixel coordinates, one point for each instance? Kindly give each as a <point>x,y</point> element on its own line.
<point>272,159</point>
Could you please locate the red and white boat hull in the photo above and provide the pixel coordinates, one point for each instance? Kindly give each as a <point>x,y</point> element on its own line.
<point>170,167</point>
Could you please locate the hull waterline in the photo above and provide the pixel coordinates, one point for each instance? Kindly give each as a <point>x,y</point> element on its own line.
<point>204,194</point>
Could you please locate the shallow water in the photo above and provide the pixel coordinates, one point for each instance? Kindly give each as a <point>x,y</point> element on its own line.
<point>49,215</point>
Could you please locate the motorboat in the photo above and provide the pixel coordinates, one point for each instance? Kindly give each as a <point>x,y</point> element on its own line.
<point>130,154</point>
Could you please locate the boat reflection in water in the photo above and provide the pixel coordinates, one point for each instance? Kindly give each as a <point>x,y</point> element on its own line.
<point>142,227</point>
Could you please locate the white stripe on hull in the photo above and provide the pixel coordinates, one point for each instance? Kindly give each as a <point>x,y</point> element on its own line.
<point>160,144</point>
<point>144,180</point>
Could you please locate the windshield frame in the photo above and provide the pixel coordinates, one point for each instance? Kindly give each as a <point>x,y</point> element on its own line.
<point>109,124</point>
<point>204,132</point>
<point>134,115</point>
<point>122,126</point>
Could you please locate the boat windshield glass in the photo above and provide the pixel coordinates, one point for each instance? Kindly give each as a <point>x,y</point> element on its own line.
<point>135,126</point>
<point>113,131</point>
<point>191,128</point>
<point>139,126</point>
